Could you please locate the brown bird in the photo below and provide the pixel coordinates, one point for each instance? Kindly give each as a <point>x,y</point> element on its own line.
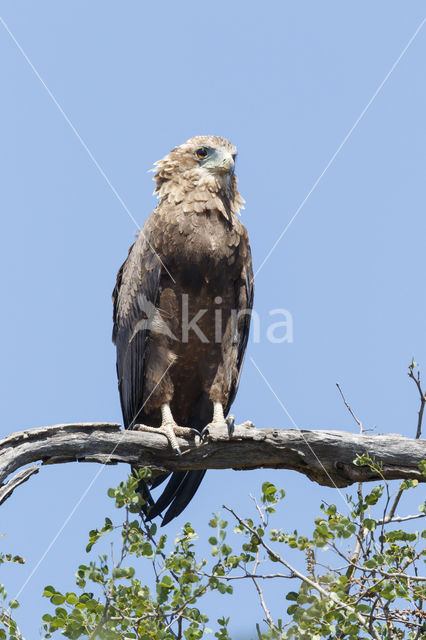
<point>182,304</point>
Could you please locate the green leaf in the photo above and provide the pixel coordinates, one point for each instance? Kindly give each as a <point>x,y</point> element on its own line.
<point>292,609</point>
<point>373,497</point>
<point>363,608</point>
<point>49,591</point>
<point>389,593</point>
<point>71,598</point>
<point>369,524</point>
<point>147,550</point>
<point>166,581</point>
<point>123,572</point>
<point>268,488</point>
<point>370,564</point>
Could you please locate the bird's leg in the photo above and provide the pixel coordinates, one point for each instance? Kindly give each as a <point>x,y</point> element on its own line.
<point>218,415</point>
<point>169,428</point>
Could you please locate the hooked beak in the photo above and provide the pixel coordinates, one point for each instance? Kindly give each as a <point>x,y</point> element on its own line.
<point>222,162</point>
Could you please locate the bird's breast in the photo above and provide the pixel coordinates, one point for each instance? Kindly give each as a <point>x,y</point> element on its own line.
<point>204,242</point>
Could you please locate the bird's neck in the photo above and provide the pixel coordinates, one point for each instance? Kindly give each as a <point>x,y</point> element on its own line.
<point>203,193</point>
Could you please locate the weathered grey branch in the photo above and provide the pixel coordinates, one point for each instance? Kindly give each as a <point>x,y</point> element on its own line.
<point>325,457</point>
<point>22,476</point>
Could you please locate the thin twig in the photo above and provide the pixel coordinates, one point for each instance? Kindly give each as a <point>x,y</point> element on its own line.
<point>259,510</point>
<point>361,534</point>
<point>349,408</point>
<point>178,613</point>
<point>246,576</point>
<point>260,593</point>
<point>263,603</point>
<point>422,395</point>
<point>420,607</point>
<point>389,519</point>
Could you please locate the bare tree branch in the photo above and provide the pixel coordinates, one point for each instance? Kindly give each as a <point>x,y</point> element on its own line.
<point>416,378</point>
<point>422,395</point>
<point>325,457</point>
<point>389,520</point>
<point>349,408</point>
<point>21,477</point>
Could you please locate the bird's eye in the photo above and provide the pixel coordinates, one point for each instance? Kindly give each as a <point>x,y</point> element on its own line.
<point>202,153</point>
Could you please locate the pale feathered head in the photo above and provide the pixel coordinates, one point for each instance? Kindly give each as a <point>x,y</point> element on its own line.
<point>200,174</point>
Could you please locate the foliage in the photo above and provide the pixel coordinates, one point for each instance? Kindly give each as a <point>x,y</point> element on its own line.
<point>376,591</point>
<point>362,598</point>
<point>127,608</point>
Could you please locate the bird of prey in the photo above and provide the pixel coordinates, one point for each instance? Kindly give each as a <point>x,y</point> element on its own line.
<point>182,305</point>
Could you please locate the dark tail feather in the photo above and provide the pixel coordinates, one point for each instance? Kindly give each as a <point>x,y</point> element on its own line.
<point>173,486</point>
<point>145,491</point>
<point>146,495</point>
<point>185,493</point>
<point>159,480</point>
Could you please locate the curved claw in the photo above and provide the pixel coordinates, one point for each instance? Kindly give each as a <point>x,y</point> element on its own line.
<point>204,431</point>
<point>230,421</point>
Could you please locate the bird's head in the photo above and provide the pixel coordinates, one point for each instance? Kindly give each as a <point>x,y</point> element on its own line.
<point>212,154</point>
<point>202,163</point>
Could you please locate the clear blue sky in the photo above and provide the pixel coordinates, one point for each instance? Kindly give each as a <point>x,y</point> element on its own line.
<point>285,81</point>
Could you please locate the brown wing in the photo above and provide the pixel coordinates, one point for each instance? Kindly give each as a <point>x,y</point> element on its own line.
<point>134,299</point>
<point>245,305</point>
